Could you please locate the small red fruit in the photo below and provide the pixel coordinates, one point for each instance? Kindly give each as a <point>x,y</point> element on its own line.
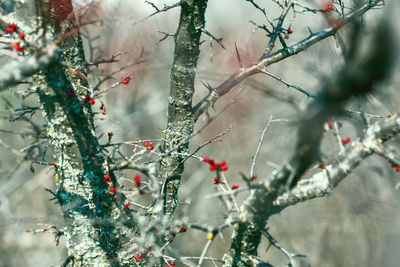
<point>137,179</point>
<point>397,169</point>
<point>14,26</point>
<point>328,8</point>
<point>107,178</point>
<point>146,143</point>
<point>87,96</point>
<point>224,168</point>
<point>394,166</point>
<point>289,31</point>
<point>345,140</point>
<point>103,112</point>
<point>235,186</point>
<point>22,35</point>
<point>91,101</point>
<point>113,190</point>
<point>286,36</point>
<point>253,177</point>
<point>182,229</point>
<point>216,180</point>
<point>206,159</point>
<point>172,264</point>
<point>126,205</point>
<point>212,168</point>
<point>330,124</point>
<point>211,161</point>
<point>9,30</point>
<point>125,80</point>
<point>150,147</point>
<point>70,92</point>
<point>223,163</point>
<point>138,257</point>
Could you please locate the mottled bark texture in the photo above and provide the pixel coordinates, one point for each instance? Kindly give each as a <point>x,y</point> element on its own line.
<point>180,121</point>
<point>357,77</point>
<point>98,230</point>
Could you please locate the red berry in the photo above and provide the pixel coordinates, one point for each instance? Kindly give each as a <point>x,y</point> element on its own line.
<point>217,165</point>
<point>328,8</point>
<point>223,163</point>
<point>87,96</point>
<point>113,190</point>
<point>253,177</point>
<point>70,92</point>
<point>14,26</point>
<point>216,180</point>
<point>103,112</point>
<point>286,36</point>
<point>235,186</point>
<point>289,31</point>
<point>146,143</point>
<point>224,168</point>
<point>126,205</point>
<point>345,140</point>
<point>397,169</point>
<point>18,48</point>
<point>211,161</point>
<point>9,30</point>
<point>182,229</point>
<point>91,101</point>
<point>125,80</point>
<point>172,263</point>
<point>394,166</point>
<point>107,178</point>
<point>150,147</point>
<point>212,168</point>
<point>137,179</point>
<point>206,159</point>
<point>330,124</point>
<point>138,257</point>
<point>109,255</point>
<point>22,35</point>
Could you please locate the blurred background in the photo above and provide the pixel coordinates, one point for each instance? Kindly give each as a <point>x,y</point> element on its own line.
<point>358,225</point>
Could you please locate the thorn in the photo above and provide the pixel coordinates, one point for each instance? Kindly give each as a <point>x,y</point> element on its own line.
<point>238,56</point>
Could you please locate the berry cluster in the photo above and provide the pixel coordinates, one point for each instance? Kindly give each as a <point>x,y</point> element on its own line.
<point>103,109</point>
<point>90,99</point>
<point>288,31</point>
<point>216,166</point>
<point>345,140</point>
<point>397,168</point>
<point>148,145</point>
<point>15,44</point>
<point>11,28</point>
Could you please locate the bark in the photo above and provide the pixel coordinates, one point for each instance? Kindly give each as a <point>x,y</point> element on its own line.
<point>98,228</point>
<point>180,121</point>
